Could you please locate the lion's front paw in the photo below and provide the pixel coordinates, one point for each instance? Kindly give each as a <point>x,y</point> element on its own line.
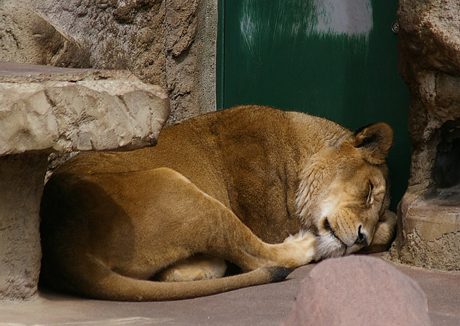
<point>384,233</point>
<point>303,247</point>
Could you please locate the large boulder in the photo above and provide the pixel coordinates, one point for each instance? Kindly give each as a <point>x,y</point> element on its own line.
<point>358,290</point>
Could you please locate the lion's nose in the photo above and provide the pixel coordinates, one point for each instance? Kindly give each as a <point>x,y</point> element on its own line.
<point>362,238</point>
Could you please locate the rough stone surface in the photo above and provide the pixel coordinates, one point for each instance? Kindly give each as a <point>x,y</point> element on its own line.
<point>429,62</point>
<point>429,234</point>
<point>167,43</point>
<point>55,110</point>
<point>27,37</point>
<point>21,187</point>
<point>191,40</point>
<point>358,290</point>
<point>92,110</point>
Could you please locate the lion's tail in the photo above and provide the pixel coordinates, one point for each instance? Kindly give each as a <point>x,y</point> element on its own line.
<point>109,285</point>
<point>118,287</point>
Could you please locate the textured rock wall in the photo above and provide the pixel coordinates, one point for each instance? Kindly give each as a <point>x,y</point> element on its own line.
<point>27,37</point>
<point>429,62</point>
<point>21,180</point>
<point>167,43</point>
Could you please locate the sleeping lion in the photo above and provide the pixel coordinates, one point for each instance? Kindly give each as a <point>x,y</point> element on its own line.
<point>254,187</point>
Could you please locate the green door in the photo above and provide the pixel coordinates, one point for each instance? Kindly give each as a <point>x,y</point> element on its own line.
<point>332,58</point>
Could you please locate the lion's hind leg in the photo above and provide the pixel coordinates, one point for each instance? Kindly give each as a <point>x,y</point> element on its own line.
<point>212,229</point>
<point>195,268</point>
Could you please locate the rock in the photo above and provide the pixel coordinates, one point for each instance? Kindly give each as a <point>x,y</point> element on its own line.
<point>21,187</point>
<point>167,43</point>
<point>89,110</point>
<point>358,290</point>
<point>429,61</point>
<point>27,37</point>
<point>56,110</point>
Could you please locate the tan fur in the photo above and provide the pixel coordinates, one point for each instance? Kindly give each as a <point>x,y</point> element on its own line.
<point>264,189</point>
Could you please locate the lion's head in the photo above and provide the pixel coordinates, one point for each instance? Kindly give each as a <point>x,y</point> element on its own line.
<point>343,190</point>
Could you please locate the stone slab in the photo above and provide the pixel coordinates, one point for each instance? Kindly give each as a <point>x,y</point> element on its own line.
<point>57,109</point>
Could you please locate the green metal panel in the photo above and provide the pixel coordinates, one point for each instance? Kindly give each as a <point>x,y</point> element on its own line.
<point>332,58</point>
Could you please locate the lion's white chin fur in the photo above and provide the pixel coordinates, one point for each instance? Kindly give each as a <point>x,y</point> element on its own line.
<point>329,246</point>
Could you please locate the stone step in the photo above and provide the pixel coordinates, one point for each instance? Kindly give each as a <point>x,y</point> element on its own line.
<point>63,110</point>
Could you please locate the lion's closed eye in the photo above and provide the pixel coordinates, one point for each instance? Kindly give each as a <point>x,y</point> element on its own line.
<point>370,195</point>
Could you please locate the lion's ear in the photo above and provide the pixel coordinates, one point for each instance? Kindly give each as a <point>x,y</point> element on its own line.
<point>374,141</point>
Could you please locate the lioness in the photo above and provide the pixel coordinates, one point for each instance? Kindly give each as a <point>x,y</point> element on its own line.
<point>225,186</point>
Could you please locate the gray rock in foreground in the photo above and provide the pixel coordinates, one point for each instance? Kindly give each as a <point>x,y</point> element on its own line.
<point>358,290</point>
